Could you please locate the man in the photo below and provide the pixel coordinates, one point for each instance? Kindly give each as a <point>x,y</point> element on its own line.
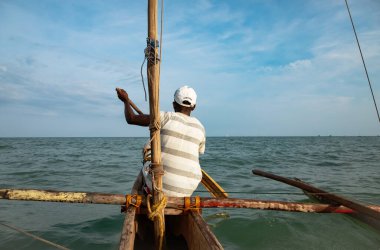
<point>183,138</point>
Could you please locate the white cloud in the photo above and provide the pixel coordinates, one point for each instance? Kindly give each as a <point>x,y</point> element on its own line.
<point>278,68</point>
<point>299,65</point>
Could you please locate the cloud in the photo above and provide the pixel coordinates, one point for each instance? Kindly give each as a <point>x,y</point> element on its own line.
<point>68,71</point>
<point>271,64</point>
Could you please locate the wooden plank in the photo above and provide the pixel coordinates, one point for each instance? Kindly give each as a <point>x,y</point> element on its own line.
<point>212,186</point>
<point>194,230</point>
<point>128,233</point>
<point>332,198</point>
<point>61,196</point>
<point>205,238</point>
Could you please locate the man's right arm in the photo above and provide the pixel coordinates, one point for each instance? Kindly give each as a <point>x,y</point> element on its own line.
<point>130,116</point>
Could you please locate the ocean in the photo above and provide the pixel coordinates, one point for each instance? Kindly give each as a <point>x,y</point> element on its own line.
<point>349,166</point>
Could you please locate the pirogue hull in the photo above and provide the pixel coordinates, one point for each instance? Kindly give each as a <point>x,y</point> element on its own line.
<point>184,231</point>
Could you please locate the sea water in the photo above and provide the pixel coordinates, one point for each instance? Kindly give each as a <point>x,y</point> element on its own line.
<point>349,166</point>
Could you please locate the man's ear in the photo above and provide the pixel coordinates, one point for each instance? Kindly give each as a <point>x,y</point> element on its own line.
<point>176,106</point>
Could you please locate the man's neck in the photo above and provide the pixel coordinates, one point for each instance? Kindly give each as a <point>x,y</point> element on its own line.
<point>185,112</point>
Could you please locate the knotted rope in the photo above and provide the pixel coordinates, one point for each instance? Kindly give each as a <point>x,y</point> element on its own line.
<point>156,212</point>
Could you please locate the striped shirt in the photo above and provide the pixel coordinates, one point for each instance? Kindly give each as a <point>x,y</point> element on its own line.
<point>182,140</point>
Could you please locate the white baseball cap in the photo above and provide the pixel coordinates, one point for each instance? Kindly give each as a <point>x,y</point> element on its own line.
<point>185,94</point>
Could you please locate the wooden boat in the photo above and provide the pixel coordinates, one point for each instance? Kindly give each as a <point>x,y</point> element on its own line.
<point>187,231</point>
<point>183,229</point>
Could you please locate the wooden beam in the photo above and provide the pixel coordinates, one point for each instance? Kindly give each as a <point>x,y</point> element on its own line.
<point>62,196</point>
<point>212,186</point>
<point>173,203</point>
<point>328,196</point>
<point>128,233</point>
<point>275,205</point>
<point>133,105</point>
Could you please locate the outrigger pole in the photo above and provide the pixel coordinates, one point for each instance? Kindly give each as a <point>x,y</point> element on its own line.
<point>328,197</point>
<point>172,202</point>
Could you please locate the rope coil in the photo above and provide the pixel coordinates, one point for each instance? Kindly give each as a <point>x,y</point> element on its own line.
<point>155,126</point>
<point>156,212</point>
<point>150,51</point>
<point>156,169</point>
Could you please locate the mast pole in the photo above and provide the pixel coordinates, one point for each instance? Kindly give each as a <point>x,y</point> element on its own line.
<point>154,127</point>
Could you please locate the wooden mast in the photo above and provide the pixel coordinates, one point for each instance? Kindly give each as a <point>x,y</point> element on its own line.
<point>153,86</point>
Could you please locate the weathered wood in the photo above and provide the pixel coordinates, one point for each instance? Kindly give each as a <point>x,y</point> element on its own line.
<point>174,204</point>
<point>328,196</point>
<point>205,237</point>
<point>195,231</point>
<point>154,107</point>
<point>128,233</point>
<point>275,205</point>
<point>212,186</point>
<point>59,196</point>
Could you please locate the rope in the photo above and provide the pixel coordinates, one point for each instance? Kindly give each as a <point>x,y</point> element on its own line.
<point>156,169</point>
<point>154,127</point>
<point>34,236</point>
<point>156,212</point>
<point>148,51</point>
<point>142,77</point>
<point>361,54</point>
<point>150,55</point>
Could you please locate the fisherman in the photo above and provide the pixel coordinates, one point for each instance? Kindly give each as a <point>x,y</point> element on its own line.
<point>183,138</point>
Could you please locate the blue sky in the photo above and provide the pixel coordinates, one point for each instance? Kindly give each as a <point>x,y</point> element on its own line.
<point>260,68</point>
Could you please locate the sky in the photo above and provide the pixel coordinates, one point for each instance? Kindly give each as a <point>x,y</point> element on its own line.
<point>259,67</point>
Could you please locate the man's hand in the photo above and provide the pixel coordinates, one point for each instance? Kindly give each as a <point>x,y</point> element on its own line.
<point>122,94</point>
<point>130,116</point>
